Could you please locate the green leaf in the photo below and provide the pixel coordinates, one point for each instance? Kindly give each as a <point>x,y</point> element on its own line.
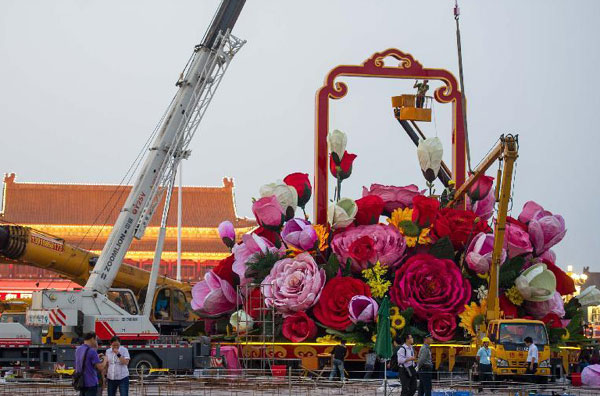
<point>442,249</point>
<point>332,266</point>
<point>347,271</point>
<point>260,265</point>
<point>409,228</point>
<point>575,325</point>
<point>509,271</point>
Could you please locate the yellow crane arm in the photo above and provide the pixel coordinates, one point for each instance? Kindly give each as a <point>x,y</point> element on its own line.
<point>507,151</point>
<point>27,246</point>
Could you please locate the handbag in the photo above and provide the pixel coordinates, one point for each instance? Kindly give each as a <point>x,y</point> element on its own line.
<point>78,379</point>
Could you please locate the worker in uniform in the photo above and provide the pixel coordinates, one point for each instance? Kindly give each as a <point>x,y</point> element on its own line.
<point>532,358</point>
<point>425,366</point>
<point>484,361</point>
<point>422,89</point>
<point>406,363</point>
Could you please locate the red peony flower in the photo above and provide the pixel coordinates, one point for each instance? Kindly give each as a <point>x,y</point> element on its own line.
<point>269,235</point>
<point>553,320</point>
<point>299,327</point>
<point>345,166</point>
<point>458,225</point>
<point>509,309</point>
<point>369,210</point>
<point>301,183</point>
<point>332,308</point>
<point>431,286</point>
<point>363,250</point>
<point>225,271</point>
<point>424,210</point>
<point>442,326</point>
<point>481,188</point>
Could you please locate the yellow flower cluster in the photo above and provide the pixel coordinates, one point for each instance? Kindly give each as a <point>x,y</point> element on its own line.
<point>467,317</point>
<point>323,235</point>
<point>373,277</point>
<point>402,220</point>
<point>327,339</point>
<point>514,295</point>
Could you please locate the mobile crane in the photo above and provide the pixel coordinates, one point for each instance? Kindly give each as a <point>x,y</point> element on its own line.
<point>91,309</point>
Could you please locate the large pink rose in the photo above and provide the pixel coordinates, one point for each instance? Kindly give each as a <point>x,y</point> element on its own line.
<point>251,245</point>
<point>213,295</point>
<point>516,241</point>
<point>540,309</point>
<point>268,212</point>
<point>393,197</point>
<point>388,245</point>
<point>431,286</point>
<point>294,284</point>
<point>479,253</point>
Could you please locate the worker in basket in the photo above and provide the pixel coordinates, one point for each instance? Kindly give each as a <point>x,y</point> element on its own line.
<point>422,89</point>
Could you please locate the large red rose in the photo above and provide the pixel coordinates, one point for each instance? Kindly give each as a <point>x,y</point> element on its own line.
<point>225,270</point>
<point>299,327</point>
<point>424,210</point>
<point>369,210</point>
<point>481,188</point>
<point>458,225</point>
<point>442,326</point>
<point>345,168</point>
<point>332,308</point>
<point>363,250</point>
<point>302,185</point>
<point>431,286</point>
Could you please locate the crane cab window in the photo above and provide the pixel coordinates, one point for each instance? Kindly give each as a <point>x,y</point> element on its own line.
<point>162,306</point>
<point>179,306</point>
<point>124,299</point>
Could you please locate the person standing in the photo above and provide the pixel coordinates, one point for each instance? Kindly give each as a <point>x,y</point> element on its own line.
<point>425,366</point>
<point>484,361</point>
<point>422,89</point>
<point>532,358</point>
<point>118,373</point>
<point>338,355</point>
<point>406,363</point>
<point>370,360</point>
<point>89,364</point>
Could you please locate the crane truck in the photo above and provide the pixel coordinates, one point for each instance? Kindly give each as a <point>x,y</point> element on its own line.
<point>92,308</point>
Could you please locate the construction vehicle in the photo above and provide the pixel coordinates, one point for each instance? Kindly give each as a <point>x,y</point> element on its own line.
<point>509,352</point>
<point>96,307</point>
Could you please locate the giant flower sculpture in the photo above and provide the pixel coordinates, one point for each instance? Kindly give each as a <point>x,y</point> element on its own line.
<point>430,286</point>
<point>294,284</point>
<point>385,244</point>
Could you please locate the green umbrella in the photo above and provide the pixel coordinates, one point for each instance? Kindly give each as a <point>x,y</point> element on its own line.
<point>383,344</point>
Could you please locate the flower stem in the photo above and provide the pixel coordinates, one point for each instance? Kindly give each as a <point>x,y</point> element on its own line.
<point>339,189</point>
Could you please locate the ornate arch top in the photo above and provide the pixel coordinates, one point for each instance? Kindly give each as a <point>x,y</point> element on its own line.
<point>374,66</point>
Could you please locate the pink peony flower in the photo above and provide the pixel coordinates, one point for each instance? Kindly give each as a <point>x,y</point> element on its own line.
<point>431,286</point>
<point>393,197</point>
<point>484,209</point>
<point>362,309</point>
<point>530,209</point>
<point>299,233</point>
<point>479,253</point>
<point>516,241</point>
<point>389,245</point>
<point>227,233</point>
<point>294,284</point>
<point>251,244</point>
<point>540,309</point>
<point>268,212</point>
<point>213,295</point>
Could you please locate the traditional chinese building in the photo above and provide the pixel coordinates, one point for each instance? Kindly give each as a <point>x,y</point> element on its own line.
<point>83,214</point>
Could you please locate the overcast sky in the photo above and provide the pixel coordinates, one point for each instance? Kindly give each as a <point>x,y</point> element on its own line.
<point>83,83</point>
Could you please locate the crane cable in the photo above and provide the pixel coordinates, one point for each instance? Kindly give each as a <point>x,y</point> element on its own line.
<point>462,84</point>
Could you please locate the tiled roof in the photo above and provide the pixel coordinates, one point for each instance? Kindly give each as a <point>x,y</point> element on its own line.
<point>88,204</point>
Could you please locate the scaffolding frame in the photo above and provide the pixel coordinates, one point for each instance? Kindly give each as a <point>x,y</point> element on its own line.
<point>257,345</point>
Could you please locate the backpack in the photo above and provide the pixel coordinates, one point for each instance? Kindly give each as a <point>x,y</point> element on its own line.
<point>394,366</point>
<point>78,379</point>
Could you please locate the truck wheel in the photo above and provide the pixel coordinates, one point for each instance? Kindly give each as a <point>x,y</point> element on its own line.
<point>142,363</point>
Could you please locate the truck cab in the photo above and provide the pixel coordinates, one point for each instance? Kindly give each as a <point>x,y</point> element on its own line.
<point>509,352</point>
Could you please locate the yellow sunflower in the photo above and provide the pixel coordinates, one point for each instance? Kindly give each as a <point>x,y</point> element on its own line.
<point>402,220</point>
<point>398,322</point>
<point>393,331</point>
<point>472,314</point>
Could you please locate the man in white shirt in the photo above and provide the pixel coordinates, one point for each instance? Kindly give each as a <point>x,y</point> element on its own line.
<point>532,358</point>
<point>406,364</point>
<point>117,373</point>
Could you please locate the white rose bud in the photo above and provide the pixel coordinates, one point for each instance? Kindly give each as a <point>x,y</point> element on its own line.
<point>337,144</point>
<point>430,152</point>
<point>342,214</point>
